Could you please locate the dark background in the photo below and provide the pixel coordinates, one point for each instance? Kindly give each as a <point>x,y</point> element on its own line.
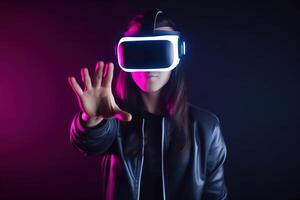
<point>243,65</point>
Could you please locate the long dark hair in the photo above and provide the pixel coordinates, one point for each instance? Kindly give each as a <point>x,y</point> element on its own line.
<point>173,94</point>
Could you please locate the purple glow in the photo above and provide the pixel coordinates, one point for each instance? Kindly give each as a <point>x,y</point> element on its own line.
<point>150,81</point>
<point>111,170</point>
<point>41,45</point>
<point>120,86</point>
<point>118,116</point>
<point>120,56</point>
<point>134,29</point>
<point>170,108</point>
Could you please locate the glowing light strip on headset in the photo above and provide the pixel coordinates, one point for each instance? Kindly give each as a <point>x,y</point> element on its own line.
<point>172,38</point>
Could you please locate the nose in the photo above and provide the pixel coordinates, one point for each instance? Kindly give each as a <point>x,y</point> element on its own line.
<point>152,73</point>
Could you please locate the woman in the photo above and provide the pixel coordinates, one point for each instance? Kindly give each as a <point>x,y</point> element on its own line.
<point>152,143</point>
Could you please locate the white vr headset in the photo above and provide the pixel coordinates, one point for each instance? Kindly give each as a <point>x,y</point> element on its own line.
<point>159,50</point>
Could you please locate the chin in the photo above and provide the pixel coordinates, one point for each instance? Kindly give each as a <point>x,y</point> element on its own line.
<point>152,90</point>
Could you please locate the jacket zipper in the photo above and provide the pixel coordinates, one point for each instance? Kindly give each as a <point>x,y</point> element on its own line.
<point>162,158</point>
<point>142,162</point>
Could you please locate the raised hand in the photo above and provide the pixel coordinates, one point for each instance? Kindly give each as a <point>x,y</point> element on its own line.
<point>97,100</point>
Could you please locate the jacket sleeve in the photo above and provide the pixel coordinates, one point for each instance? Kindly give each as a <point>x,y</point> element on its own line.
<point>215,187</point>
<point>95,140</point>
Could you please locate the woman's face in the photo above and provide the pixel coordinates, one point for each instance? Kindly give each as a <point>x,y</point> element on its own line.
<point>153,81</point>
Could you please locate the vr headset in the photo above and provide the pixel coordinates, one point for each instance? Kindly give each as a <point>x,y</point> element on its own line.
<point>150,49</point>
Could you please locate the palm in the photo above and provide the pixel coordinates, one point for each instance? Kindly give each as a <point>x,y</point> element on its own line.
<point>97,99</point>
<point>98,102</point>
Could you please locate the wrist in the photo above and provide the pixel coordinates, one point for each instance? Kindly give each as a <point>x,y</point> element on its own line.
<point>91,121</point>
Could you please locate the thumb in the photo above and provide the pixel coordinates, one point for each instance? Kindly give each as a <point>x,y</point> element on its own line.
<point>123,115</point>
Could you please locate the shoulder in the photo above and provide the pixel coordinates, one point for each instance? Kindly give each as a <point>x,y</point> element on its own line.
<point>205,123</point>
<point>202,115</point>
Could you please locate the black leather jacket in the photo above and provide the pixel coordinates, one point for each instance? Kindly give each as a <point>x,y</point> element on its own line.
<point>199,174</point>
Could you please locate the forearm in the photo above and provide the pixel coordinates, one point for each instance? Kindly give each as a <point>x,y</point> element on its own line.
<point>92,140</point>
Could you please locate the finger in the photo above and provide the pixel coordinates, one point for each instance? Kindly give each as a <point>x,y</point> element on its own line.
<point>75,86</point>
<point>86,78</point>
<point>108,75</point>
<point>123,115</point>
<point>98,72</point>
